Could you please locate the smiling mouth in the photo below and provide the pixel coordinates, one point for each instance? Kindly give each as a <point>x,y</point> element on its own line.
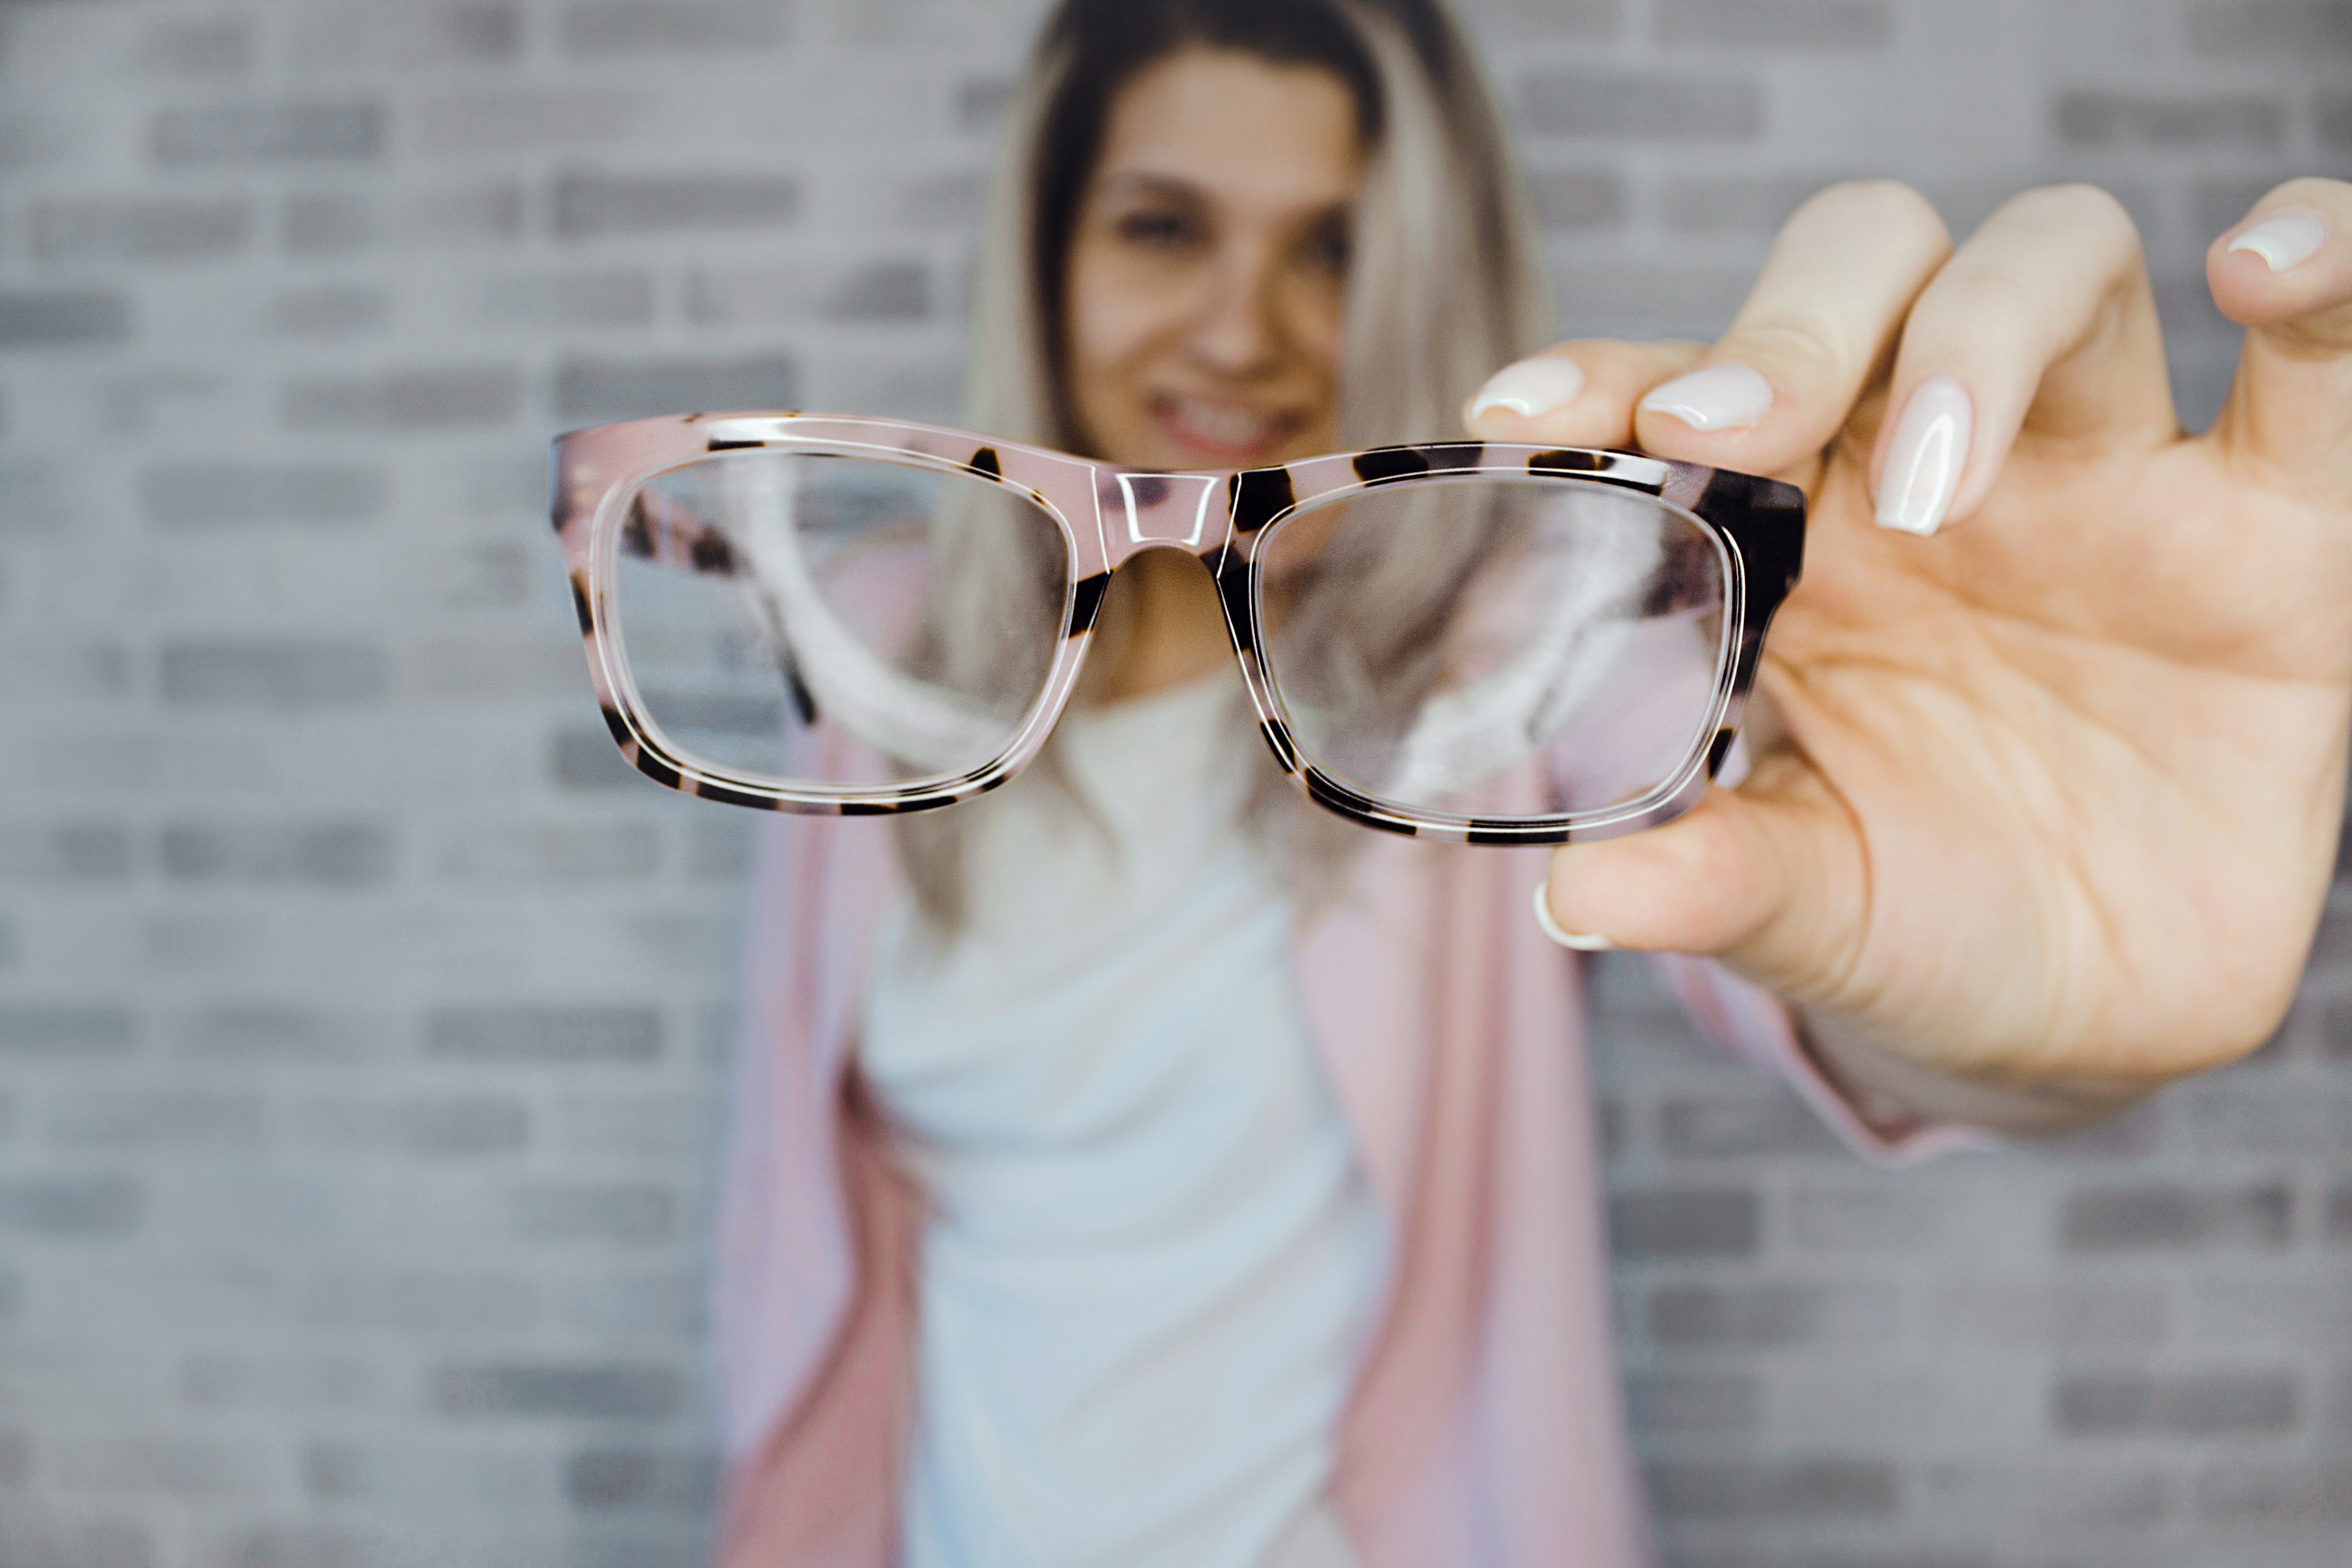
<point>1222,431</point>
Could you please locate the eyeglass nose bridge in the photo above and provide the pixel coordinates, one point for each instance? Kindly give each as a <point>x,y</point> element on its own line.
<point>1181,509</point>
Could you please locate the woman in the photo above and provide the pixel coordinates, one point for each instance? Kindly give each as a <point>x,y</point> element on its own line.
<point>1280,1246</point>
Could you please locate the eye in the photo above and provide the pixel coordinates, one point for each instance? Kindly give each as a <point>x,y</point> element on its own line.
<point>1328,247</point>
<point>1159,228</point>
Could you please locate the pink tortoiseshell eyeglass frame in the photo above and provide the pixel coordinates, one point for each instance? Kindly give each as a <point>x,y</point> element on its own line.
<point>1107,515</point>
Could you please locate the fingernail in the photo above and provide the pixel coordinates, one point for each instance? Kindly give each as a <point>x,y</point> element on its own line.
<point>1561,934</point>
<point>1929,453</point>
<point>2284,239</point>
<point>1530,388</point>
<point>1720,397</point>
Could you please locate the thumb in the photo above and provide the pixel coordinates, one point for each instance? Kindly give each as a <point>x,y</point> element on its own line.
<point>2286,275</point>
<point>1768,878</point>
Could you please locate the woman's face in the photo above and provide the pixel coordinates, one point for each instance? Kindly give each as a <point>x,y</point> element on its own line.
<point>1208,265</point>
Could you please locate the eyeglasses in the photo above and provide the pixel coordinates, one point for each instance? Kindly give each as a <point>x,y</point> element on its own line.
<point>1465,641</point>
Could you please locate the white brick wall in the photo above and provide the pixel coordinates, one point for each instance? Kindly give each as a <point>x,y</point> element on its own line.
<point>361,1023</point>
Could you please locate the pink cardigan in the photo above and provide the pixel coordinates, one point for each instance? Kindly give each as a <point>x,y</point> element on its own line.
<point>1485,1422</point>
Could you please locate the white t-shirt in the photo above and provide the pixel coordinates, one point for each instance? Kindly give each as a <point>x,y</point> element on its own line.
<point>1149,1252</point>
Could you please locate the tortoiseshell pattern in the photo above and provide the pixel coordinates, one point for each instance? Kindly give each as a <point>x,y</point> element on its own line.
<point>1106,515</point>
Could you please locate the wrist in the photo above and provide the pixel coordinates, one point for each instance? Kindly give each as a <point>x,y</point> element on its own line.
<point>1895,1096</point>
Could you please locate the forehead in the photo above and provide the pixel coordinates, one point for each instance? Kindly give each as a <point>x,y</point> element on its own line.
<point>1239,128</point>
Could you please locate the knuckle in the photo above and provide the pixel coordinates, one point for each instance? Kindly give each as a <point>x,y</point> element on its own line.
<point>2080,211</point>
<point>1803,337</point>
<point>1885,205</point>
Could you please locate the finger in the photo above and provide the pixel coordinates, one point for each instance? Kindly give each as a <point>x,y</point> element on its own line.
<point>1577,394</point>
<point>2044,314</point>
<point>1819,323</point>
<point>1767,876</point>
<point>2286,275</point>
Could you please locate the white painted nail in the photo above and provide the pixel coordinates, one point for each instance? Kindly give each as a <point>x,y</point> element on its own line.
<point>2284,239</point>
<point>1926,457</point>
<point>1720,397</point>
<point>1530,388</point>
<point>1561,934</point>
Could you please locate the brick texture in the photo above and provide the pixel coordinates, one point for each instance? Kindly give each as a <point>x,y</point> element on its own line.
<point>363,1017</point>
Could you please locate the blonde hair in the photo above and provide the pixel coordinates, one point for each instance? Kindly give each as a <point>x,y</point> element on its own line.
<point>1444,286</point>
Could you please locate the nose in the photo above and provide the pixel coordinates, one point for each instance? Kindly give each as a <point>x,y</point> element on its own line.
<point>1235,333</point>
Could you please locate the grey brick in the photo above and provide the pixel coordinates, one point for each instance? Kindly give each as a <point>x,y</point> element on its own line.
<point>2228,1115</point>
<point>197,46</point>
<point>374,36</point>
<point>1741,205</point>
<point>1786,1489</point>
<point>639,1478</point>
<point>1774,24</point>
<point>2276,1493</point>
<point>2236,29</point>
<point>187,495</point>
<point>626,1215</point>
<point>80,852</point>
<point>635,1305</point>
<point>316,854</point>
<point>30,1538</point>
<point>294,1546</point>
<point>981,104</point>
<point>266,134</point>
<point>1887,1217</point>
<point>634,27</point>
<point>460,1125</point>
<point>2167,1216</point>
<point>2331,115</point>
<point>553,852</point>
<point>1722,1223</point>
<point>588,299</point>
<point>2195,1405</point>
<point>2089,118</point>
<point>1627,108</point>
<point>62,318</point>
<point>587,206</point>
<point>149,1120</point>
<point>1578,199</point>
<point>507,122</point>
<point>583,759</point>
<point>593,390</point>
<point>435,1302</point>
<point>717,846</point>
<point>72,1205</point>
<point>2059,1313</point>
<point>1704,1403</point>
<point>429,399</point>
<point>32,1030</point>
<point>154,230</point>
<point>259,1033</point>
<point>883,292</point>
<point>330,310</point>
<point>325,222</point>
<point>1767,1315</point>
<point>1721,1126</point>
<point>628,1392</point>
<point>550,1034</point>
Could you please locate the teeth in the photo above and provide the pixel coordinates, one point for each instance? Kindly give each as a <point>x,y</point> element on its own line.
<point>1226,426</point>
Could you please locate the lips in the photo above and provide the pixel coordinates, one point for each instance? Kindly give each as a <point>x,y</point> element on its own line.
<point>1224,433</point>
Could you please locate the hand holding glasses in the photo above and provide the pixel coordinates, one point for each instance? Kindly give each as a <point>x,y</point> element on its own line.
<point>1471,642</point>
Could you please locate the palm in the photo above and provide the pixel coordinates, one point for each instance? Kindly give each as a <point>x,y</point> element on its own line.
<point>2097,730</point>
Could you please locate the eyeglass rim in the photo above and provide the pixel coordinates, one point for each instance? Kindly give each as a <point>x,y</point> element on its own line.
<point>1756,523</point>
